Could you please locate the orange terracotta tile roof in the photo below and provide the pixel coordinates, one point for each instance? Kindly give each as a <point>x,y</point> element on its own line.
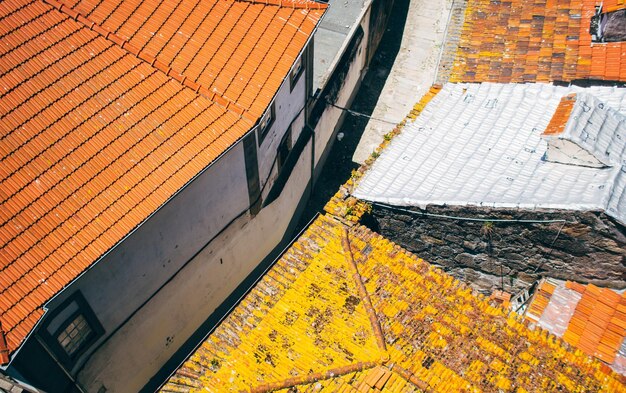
<point>540,301</point>
<point>597,325</point>
<point>613,5</point>
<point>238,50</point>
<point>108,109</point>
<point>538,41</point>
<point>561,115</point>
<point>344,309</point>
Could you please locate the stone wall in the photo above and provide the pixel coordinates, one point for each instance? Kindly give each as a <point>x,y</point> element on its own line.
<point>590,247</point>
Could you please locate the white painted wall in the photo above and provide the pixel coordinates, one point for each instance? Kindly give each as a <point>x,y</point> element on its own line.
<point>328,122</point>
<point>127,361</point>
<point>125,278</point>
<point>266,183</point>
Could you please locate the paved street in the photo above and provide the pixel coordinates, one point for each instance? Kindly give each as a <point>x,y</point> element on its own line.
<point>403,68</point>
<point>412,72</point>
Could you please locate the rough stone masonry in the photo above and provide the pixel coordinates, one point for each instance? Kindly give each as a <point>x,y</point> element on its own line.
<point>589,247</point>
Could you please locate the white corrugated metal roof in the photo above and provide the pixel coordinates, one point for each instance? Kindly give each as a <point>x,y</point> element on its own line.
<point>595,132</point>
<point>481,144</point>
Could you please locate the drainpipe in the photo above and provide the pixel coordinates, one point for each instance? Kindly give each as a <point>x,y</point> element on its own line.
<point>312,175</point>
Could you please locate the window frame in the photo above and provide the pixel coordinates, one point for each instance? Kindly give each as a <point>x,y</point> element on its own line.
<point>285,146</point>
<point>296,71</point>
<point>52,338</point>
<point>268,118</point>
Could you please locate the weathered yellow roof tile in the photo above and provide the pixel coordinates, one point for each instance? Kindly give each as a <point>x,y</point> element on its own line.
<point>345,310</point>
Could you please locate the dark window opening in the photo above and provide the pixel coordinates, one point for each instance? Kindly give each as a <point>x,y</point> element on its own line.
<point>295,73</point>
<point>608,26</point>
<point>266,123</point>
<point>71,329</point>
<point>289,154</point>
<point>283,150</point>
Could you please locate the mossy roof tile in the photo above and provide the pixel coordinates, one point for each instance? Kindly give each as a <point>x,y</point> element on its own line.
<point>314,331</point>
<point>538,41</point>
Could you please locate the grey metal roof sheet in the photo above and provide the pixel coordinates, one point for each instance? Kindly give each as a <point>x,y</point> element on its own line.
<point>481,144</point>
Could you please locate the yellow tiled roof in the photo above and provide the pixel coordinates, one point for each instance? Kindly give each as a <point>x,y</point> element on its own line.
<point>344,309</point>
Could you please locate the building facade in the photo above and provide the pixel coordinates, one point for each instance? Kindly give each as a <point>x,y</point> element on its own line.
<point>159,165</point>
<point>164,156</point>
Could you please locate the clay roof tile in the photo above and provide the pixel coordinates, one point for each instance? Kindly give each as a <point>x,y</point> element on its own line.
<point>78,172</point>
<point>543,42</point>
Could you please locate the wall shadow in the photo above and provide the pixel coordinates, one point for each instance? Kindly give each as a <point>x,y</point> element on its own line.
<point>339,164</point>
<point>337,170</point>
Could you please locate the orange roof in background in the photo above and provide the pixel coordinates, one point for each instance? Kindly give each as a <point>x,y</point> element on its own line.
<point>540,301</point>
<point>346,310</point>
<point>108,109</point>
<point>613,5</point>
<point>239,50</point>
<point>598,324</point>
<point>540,41</point>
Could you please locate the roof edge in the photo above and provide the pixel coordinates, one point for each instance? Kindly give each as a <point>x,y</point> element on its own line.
<point>296,4</point>
<point>4,348</point>
<point>199,89</point>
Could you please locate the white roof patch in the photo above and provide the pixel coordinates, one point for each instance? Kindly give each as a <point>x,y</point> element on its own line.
<point>481,144</point>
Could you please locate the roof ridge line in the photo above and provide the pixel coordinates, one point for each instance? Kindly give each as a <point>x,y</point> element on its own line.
<point>314,377</point>
<point>571,124</point>
<point>199,89</point>
<point>608,197</point>
<point>295,4</point>
<point>365,297</point>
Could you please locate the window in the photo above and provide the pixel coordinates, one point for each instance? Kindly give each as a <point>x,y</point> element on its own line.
<point>287,156</point>
<point>295,73</point>
<point>266,123</point>
<point>75,335</point>
<point>283,149</point>
<point>71,329</point>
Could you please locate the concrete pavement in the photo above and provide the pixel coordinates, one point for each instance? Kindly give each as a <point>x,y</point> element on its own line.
<point>413,72</point>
